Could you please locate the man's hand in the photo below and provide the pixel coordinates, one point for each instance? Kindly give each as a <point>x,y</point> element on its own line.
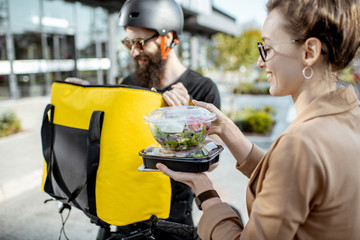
<point>177,96</point>
<point>77,81</point>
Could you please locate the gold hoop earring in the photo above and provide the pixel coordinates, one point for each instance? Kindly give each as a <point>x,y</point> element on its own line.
<point>304,72</point>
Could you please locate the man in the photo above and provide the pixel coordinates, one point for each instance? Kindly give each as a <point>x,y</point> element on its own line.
<point>153,28</point>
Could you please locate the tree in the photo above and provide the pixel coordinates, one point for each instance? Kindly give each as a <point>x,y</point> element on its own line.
<point>237,56</point>
<point>233,52</point>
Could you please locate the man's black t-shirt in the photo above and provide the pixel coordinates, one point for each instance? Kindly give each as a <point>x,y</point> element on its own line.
<point>202,89</point>
<point>199,87</point>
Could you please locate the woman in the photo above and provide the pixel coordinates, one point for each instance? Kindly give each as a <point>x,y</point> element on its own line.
<point>307,186</point>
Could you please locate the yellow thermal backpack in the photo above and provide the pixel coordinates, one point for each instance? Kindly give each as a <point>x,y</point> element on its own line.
<point>91,137</point>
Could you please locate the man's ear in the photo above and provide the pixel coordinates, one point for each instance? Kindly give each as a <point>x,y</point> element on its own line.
<point>312,47</point>
<point>169,38</point>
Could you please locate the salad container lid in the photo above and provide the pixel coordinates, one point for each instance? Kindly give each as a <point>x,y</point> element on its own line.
<point>180,114</point>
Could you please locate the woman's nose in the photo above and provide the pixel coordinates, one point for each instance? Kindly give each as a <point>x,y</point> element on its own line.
<point>260,63</point>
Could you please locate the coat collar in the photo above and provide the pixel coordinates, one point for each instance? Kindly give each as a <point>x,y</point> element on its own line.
<point>337,101</point>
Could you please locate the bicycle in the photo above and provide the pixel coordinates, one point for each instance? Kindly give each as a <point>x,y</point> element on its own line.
<point>144,230</point>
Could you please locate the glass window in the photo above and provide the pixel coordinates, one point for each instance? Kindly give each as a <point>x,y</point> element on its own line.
<point>23,15</point>
<point>3,26</point>
<point>101,22</point>
<point>126,63</point>
<point>203,52</point>
<point>4,87</point>
<point>25,26</point>
<point>30,85</point>
<point>58,16</point>
<point>27,45</point>
<point>85,39</point>
<point>3,54</point>
<point>92,26</point>
<point>90,76</point>
<point>184,49</point>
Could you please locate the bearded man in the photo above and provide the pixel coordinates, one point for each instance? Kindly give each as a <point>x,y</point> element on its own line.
<point>151,35</point>
<point>163,71</point>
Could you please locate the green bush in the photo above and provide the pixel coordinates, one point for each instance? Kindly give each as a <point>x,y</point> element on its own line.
<point>251,120</point>
<point>251,88</point>
<point>268,109</point>
<point>9,124</point>
<point>259,122</point>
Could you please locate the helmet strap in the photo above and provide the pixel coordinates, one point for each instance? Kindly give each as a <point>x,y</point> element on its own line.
<point>164,50</point>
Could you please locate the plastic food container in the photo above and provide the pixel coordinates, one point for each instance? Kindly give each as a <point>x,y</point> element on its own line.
<point>180,127</point>
<point>182,164</point>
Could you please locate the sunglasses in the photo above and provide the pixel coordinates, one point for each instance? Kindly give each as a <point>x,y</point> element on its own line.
<point>139,43</point>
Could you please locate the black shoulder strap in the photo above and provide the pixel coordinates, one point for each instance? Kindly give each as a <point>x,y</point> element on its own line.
<point>47,139</point>
<point>93,156</point>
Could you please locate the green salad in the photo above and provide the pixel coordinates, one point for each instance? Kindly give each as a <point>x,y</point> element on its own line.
<point>180,141</point>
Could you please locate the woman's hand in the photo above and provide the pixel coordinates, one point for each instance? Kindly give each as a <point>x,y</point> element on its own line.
<point>177,96</point>
<point>199,182</point>
<point>218,124</point>
<point>230,134</point>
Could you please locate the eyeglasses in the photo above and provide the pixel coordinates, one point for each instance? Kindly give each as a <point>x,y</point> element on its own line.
<point>139,43</point>
<point>264,49</point>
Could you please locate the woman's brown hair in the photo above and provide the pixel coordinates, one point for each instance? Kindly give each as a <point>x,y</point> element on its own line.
<point>336,23</point>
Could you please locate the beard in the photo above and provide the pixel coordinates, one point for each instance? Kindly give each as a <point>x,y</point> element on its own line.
<point>148,74</point>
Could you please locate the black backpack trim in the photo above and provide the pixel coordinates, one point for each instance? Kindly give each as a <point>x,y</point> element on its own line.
<point>72,157</point>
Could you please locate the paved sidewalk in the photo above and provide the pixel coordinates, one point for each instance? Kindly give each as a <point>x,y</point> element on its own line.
<point>21,154</point>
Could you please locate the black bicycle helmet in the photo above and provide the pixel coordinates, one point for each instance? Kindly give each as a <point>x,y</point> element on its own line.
<point>163,16</point>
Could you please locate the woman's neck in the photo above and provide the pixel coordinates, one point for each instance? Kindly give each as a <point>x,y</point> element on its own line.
<point>312,89</point>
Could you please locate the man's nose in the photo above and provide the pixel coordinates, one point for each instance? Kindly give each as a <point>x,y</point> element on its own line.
<point>135,51</point>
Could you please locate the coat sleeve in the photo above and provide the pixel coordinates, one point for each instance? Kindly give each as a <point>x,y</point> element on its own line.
<point>219,222</point>
<point>249,165</point>
<point>291,178</point>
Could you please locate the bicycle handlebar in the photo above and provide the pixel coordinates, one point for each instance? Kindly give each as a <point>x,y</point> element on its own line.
<point>176,228</point>
<point>145,230</point>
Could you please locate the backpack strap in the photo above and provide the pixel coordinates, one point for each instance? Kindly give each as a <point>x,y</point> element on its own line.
<point>47,138</point>
<point>93,156</point>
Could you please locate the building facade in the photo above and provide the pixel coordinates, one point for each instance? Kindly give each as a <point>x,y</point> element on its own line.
<point>46,40</point>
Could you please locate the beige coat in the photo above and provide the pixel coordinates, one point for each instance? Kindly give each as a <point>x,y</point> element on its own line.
<point>307,186</point>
